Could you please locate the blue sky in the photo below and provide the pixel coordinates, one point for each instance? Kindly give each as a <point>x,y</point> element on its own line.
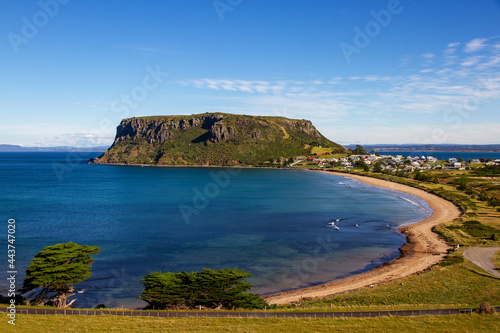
<point>363,71</point>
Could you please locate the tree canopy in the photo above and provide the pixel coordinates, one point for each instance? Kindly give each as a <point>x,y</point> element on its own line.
<point>54,271</point>
<point>359,150</point>
<point>223,288</point>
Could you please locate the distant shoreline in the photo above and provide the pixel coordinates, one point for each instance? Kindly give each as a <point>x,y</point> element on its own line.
<point>423,247</point>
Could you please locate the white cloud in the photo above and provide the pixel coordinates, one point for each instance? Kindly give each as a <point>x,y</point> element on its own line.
<point>475,45</point>
<point>409,102</point>
<point>81,139</point>
<point>371,78</point>
<point>438,133</point>
<point>52,134</point>
<point>492,61</point>
<point>451,48</point>
<point>471,61</point>
<point>262,87</point>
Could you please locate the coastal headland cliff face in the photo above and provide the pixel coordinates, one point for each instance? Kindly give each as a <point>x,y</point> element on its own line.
<point>212,139</point>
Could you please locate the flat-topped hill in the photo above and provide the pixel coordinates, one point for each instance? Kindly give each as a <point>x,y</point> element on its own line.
<point>212,139</point>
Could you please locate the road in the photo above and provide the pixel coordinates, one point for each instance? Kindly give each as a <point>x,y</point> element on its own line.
<point>483,257</point>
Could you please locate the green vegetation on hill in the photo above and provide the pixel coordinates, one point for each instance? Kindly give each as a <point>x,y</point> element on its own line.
<point>213,139</point>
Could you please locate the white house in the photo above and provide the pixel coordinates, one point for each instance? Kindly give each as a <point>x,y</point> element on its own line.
<point>431,159</point>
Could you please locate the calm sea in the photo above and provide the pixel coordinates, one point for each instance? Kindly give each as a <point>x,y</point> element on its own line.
<point>272,223</point>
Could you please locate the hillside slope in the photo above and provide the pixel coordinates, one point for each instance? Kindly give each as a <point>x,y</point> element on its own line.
<point>212,139</point>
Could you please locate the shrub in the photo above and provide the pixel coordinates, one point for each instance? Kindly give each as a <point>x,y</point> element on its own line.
<point>477,229</point>
<point>451,260</point>
<point>485,308</point>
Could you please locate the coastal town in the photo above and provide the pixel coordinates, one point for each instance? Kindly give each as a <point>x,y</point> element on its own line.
<point>395,163</point>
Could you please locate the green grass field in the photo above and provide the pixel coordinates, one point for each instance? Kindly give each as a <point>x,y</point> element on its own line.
<point>457,285</point>
<point>52,323</point>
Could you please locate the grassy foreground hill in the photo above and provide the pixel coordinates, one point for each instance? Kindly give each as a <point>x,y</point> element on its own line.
<point>212,139</point>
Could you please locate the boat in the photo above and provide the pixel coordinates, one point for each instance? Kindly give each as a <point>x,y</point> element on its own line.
<point>332,224</point>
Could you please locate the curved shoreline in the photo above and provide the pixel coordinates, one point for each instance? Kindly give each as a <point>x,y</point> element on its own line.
<point>423,247</point>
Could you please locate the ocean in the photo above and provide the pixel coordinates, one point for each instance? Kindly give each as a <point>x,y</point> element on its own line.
<point>272,223</point>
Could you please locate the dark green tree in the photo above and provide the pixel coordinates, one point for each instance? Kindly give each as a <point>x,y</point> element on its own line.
<point>359,150</point>
<point>54,271</point>
<point>422,176</point>
<point>362,164</point>
<point>223,288</point>
<point>377,168</point>
<point>166,288</point>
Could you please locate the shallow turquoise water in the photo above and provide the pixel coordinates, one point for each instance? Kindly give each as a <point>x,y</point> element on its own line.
<point>273,223</point>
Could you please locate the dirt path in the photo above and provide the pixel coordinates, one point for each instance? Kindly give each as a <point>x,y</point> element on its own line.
<point>483,257</point>
<point>422,250</point>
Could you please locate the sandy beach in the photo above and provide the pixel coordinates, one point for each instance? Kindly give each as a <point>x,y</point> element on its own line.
<point>422,249</point>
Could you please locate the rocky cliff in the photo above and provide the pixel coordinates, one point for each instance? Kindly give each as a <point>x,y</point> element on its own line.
<point>211,139</point>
